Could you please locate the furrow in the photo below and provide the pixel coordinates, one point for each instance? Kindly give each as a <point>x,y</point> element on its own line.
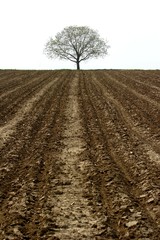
<point>133,153</point>
<point>115,183</point>
<point>145,117</point>
<point>17,99</point>
<point>23,192</point>
<point>77,214</point>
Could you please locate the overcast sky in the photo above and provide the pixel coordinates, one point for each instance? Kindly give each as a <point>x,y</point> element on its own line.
<point>132,28</point>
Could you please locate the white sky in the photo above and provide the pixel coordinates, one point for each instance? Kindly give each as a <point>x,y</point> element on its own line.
<point>132,28</point>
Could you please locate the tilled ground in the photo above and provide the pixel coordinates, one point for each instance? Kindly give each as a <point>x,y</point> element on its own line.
<point>80,155</point>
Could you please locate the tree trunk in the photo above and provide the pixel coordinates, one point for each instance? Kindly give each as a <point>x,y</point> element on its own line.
<point>78,65</point>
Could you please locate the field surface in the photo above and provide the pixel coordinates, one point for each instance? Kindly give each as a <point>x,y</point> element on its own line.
<point>80,154</point>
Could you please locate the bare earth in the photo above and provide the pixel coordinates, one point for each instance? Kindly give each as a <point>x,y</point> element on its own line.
<point>80,154</point>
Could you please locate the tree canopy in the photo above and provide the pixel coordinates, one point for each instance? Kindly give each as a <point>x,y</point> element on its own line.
<point>76,44</point>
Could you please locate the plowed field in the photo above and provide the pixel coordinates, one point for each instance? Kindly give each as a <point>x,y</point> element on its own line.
<point>80,154</point>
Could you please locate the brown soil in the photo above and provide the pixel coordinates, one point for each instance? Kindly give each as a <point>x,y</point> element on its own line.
<point>80,154</point>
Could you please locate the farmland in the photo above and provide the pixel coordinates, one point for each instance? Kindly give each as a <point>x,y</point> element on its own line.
<point>80,154</point>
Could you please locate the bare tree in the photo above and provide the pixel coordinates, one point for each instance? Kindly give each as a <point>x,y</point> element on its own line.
<point>76,44</point>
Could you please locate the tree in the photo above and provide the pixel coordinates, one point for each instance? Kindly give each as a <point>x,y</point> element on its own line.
<point>76,44</point>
